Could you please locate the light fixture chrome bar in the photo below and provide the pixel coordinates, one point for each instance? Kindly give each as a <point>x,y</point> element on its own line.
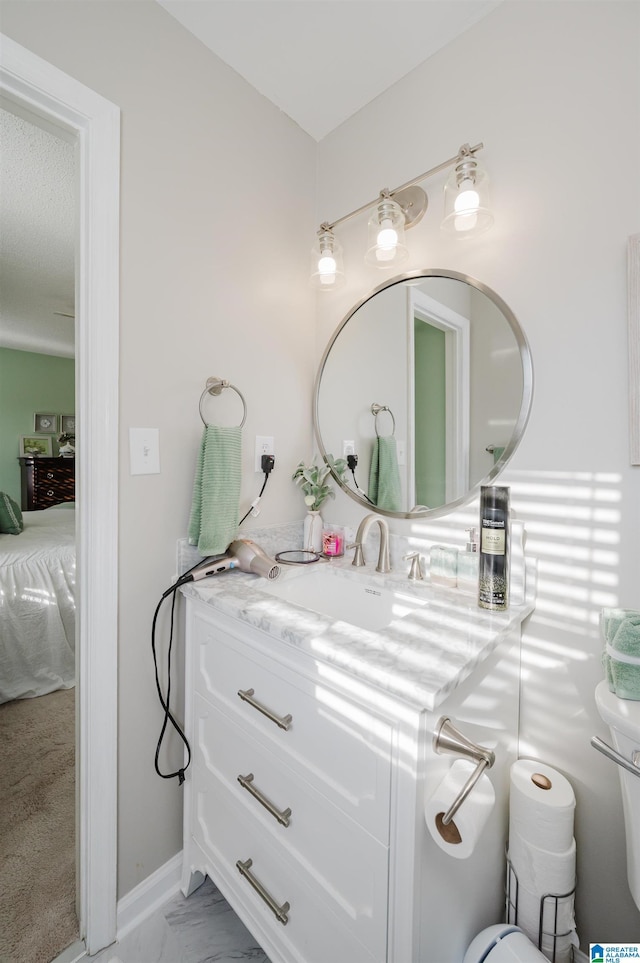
<point>465,149</point>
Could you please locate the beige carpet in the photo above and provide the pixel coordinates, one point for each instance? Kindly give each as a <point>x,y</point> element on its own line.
<point>37,828</point>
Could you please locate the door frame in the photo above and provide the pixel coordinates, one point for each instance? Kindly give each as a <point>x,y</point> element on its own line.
<point>458,390</point>
<point>51,97</point>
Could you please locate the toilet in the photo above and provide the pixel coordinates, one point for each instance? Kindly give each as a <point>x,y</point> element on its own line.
<point>623,718</point>
<point>503,943</point>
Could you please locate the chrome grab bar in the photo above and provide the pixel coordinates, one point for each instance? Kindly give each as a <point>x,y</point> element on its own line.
<point>283,816</point>
<point>280,912</point>
<point>448,739</point>
<point>284,722</point>
<point>631,765</point>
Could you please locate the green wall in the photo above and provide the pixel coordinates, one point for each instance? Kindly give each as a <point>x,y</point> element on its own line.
<point>430,385</point>
<point>29,383</point>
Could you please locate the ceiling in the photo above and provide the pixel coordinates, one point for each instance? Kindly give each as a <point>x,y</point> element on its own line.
<point>319,61</point>
<point>37,240</point>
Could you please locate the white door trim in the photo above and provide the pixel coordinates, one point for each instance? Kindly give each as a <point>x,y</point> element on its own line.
<point>34,85</point>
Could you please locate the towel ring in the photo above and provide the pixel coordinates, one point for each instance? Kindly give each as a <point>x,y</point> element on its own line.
<point>214,387</point>
<point>375,411</point>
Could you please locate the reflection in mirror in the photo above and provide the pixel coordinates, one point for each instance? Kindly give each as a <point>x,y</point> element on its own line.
<point>428,384</point>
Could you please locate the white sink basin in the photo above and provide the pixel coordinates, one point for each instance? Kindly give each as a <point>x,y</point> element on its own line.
<point>346,599</point>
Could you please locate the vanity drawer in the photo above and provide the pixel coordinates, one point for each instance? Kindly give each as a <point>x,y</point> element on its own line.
<point>341,750</point>
<point>313,931</point>
<point>328,846</point>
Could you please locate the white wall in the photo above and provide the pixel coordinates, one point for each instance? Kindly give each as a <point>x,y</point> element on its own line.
<point>553,91</point>
<point>216,216</point>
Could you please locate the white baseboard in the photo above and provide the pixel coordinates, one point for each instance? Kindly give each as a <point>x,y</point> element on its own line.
<point>148,896</point>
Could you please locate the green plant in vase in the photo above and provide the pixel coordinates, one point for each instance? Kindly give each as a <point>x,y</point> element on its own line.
<point>313,480</point>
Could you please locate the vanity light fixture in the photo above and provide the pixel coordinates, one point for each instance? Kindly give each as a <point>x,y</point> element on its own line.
<point>326,260</point>
<point>466,198</point>
<point>467,214</point>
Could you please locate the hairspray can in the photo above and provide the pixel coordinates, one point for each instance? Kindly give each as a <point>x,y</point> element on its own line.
<point>493,581</point>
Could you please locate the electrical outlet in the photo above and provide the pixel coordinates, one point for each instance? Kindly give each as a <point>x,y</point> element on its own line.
<point>348,448</point>
<point>265,445</point>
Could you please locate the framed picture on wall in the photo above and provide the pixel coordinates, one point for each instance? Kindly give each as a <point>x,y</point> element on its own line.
<point>68,424</point>
<point>36,445</point>
<point>45,423</point>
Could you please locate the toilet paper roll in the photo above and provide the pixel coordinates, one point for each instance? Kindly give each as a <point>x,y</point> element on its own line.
<point>460,836</point>
<point>556,920</point>
<point>540,871</point>
<point>541,806</point>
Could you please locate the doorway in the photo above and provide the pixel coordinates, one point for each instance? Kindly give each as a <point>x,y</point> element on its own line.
<point>50,97</point>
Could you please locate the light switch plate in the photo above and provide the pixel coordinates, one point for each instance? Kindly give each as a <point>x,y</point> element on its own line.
<point>144,451</point>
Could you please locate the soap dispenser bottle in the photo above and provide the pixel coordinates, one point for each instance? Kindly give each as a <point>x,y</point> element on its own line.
<point>469,565</point>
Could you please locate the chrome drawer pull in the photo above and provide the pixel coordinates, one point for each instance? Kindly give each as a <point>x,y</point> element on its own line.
<point>282,721</point>
<point>247,783</point>
<point>280,912</point>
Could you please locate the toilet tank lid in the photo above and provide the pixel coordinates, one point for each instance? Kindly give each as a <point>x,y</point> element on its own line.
<point>623,714</point>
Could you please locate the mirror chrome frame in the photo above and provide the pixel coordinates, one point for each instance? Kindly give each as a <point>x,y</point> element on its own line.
<point>523,415</point>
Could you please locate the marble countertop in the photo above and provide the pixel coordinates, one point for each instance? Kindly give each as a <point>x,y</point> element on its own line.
<point>419,658</point>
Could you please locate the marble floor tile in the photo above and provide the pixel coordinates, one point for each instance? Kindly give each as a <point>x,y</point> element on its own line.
<point>208,930</point>
<point>200,929</point>
<point>151,942</point>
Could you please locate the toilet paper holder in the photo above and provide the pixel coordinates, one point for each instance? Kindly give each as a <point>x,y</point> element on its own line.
<point>448,739</point>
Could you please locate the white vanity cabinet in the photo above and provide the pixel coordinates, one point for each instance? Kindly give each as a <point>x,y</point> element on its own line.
<point>287,802</point>
<point>304,800</point>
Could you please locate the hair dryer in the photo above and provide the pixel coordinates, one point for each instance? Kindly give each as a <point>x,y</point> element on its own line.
<point>243,554</point>
<point>250,558</point>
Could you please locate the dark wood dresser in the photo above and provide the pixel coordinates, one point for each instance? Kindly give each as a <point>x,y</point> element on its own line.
<point>46,482</point>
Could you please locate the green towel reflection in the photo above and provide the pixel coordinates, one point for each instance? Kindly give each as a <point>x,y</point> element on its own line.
<point>384,477</point>
<point>213,523</point>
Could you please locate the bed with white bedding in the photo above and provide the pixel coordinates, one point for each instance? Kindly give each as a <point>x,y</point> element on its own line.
<point>37,605</point>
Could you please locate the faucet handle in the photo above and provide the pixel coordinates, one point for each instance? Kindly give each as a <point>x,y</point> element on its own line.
<point>415,572</point>
<point>358,556</point>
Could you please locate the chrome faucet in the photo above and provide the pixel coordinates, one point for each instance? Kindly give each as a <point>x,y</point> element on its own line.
<point>383,565</point>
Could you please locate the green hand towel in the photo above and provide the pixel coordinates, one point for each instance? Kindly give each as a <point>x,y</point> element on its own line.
<point>213,523</point>
<point>610,621</point>
<point>624,658</point>
<point>384,477</point>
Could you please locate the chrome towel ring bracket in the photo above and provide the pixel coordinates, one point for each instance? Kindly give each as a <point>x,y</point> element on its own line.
<point>215,387</point>
<point>375,411</point>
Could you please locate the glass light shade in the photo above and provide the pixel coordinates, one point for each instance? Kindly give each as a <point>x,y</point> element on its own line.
<point>467,210</point>
<point>385,247</point>
<point>327,268</point>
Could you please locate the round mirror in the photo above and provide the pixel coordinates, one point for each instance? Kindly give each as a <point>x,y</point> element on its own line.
<point>425,389</point>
